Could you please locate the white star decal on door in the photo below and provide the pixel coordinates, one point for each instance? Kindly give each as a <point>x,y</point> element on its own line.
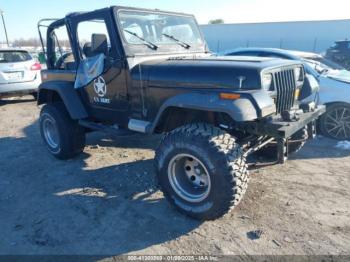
<point>100,86</point>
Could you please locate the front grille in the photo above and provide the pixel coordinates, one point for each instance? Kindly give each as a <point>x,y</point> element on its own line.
<point>285,85</point>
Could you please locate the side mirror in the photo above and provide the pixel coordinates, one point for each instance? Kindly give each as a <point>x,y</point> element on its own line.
<point>99,44</point>
<point>321,70</point>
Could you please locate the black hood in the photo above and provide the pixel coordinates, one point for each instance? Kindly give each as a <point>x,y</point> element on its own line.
<point>206,72</point>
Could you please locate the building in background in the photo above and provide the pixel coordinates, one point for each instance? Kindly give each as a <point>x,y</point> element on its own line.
<point>313,36</point>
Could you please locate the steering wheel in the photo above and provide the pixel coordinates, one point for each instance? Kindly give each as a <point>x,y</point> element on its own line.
<point>60,62</point>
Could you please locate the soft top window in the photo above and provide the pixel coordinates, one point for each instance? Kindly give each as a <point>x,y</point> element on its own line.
<point>14,56</point>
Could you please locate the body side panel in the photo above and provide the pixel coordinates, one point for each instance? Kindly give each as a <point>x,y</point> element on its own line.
<point>68,95</point>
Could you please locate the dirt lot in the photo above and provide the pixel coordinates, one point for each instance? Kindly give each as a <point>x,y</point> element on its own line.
<point>106,201</point>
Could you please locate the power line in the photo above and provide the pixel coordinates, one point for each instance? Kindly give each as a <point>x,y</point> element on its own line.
<point>4,24</point>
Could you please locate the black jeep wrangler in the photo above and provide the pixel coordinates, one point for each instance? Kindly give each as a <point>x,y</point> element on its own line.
<point>127,70</point>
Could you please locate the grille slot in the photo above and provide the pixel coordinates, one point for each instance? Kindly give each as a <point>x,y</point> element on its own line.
<point>285,85</point>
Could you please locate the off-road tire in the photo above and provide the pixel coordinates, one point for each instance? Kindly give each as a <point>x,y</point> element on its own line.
<point>71,136</point>
<point>270,150</point>
<point>325,130</point>
<point>222,157</point>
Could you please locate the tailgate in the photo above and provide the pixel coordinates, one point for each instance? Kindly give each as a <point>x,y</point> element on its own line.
<point>17,72</point>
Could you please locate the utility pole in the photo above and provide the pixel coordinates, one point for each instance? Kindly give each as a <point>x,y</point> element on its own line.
<point>3,22</point>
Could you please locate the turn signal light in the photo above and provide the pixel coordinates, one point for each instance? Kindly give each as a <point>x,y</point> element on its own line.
<point>229,96</point>
<point>297,94</point>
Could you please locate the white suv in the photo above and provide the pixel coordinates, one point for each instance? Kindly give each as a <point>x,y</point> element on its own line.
<point>19,73</point>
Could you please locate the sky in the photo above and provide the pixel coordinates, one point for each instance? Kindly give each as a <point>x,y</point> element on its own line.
<point>21,16</point>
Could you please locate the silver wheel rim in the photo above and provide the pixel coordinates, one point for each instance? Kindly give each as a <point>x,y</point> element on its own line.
<point>189,178</point>
<point>50,132</point>
<point>337,123</point>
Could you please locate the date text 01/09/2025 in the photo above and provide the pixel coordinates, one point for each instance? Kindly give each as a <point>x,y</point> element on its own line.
<point>172,258</point>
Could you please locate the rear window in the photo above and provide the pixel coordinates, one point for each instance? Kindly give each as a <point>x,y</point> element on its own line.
<point>14,56</point>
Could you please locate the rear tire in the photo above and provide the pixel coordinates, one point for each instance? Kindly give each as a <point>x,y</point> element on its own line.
<point>63,136</point>
<point>201,171</point>
<point>335,123</point>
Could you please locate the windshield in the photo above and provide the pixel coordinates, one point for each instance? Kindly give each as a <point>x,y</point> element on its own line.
<point>14,56</point>
<point>157,29</point>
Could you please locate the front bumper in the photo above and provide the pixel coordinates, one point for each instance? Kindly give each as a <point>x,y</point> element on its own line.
<point>282,131</point>
<point>278,128</point>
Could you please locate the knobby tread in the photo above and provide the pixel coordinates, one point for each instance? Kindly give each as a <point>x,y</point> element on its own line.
<point>72,135</point>
<point>224,146</point>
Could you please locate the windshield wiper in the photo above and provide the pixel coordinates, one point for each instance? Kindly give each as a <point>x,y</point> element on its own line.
<point>183,44</point>
<point>147,43</point>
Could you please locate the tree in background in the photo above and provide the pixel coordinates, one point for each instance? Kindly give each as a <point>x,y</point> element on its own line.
<point>216,21</point>
<point>34,42</point>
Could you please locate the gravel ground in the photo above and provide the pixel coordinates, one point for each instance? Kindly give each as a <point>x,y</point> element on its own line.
<point>106,201</point>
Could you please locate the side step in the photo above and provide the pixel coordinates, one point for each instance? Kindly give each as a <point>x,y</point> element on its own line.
<point>112,130</point>
<point>139,125</point>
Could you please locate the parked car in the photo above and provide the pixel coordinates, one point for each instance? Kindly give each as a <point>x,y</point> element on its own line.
<point>340,53</point>
<point>19,73</point>
<point>150,71</point>
<point>334,83</point>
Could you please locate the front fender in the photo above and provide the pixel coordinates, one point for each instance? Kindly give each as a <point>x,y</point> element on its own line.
<point>240,110</point>
<point>67,94</point>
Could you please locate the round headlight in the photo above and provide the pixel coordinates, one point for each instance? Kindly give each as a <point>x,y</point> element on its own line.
<point>299,76</point>
<point>297,72</point>
<point>267,82</point>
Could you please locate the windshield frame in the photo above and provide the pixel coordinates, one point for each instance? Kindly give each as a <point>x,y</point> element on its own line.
<point>171,48</point>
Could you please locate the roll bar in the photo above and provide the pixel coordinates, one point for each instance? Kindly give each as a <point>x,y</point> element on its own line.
<point>44,23</point>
